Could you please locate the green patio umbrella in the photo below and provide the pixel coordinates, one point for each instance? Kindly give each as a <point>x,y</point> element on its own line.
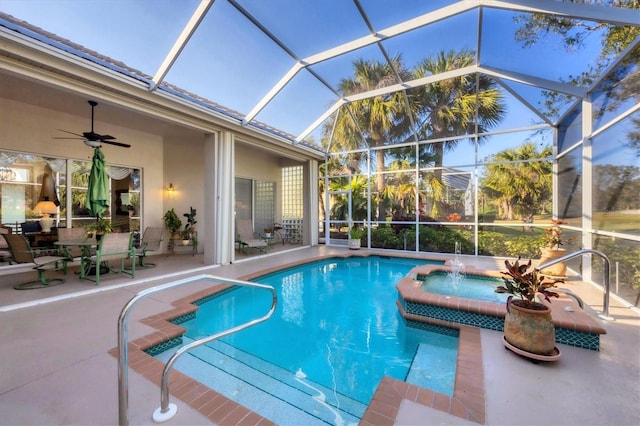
<point>98,191</point>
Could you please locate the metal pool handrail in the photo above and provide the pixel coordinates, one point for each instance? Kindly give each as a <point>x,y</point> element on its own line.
<point>605,310</point>
<point>166,410</point>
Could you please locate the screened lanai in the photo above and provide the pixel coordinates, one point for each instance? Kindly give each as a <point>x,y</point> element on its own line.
<point>425,123</point>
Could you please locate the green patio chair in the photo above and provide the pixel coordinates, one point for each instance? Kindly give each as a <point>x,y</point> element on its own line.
<point>22,252</point>
<point>115,246</point>
<point>72,234</point>
<point>5,254</point>
<point>151,240</point>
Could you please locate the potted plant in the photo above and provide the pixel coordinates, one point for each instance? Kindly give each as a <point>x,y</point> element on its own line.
<point>551,249</point>
<point>186,237</point>
<point>528,325</point>
<point>172,222</point>
<point>100,227</point>
<point>189,232</point>
<point>355,236</point>
<point>268,232</point>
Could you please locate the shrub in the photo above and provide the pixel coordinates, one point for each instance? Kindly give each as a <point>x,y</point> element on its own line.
<point>385,237</point>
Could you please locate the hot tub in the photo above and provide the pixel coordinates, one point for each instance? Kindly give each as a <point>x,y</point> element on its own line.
<point>448,305</point>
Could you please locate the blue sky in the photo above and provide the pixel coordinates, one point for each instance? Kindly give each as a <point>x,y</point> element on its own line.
<point>232,63</point>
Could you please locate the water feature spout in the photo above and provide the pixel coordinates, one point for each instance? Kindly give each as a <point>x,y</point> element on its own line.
<point>456,275</point>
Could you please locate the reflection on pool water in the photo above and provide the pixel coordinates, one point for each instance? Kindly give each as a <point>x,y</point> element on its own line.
<point>475,287</point>
<point>336,332</point>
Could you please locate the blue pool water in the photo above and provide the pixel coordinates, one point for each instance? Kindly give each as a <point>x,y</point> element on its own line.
<point>469,287</point>
<point>336,328</point>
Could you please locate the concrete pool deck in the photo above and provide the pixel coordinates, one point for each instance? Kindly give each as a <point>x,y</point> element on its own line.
<point>56,368</point>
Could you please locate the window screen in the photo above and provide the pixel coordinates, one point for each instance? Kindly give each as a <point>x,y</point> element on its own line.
<point>244,198</point>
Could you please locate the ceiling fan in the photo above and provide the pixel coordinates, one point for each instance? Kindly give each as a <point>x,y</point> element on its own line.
<point>93,139</point>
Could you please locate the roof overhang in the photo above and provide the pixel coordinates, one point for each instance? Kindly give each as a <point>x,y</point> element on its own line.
<point>42,63</point>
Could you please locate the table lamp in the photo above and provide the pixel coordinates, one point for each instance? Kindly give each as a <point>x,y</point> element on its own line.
<point>46,208</point>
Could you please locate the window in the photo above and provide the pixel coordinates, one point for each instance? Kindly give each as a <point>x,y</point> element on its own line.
<point>255,199</point>
<point>293,202</point>
<point>26,179</point>
<point>292,192</point>
<point>265,204</point>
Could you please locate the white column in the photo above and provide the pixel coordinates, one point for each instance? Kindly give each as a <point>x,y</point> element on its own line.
<point>208,238</point>
<point>225,172</point>
<point>310,212</point>
<point>587,184</point>
<point>218,240</point>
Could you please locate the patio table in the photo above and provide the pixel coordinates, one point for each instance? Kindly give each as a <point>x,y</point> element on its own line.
<point>86,245</point>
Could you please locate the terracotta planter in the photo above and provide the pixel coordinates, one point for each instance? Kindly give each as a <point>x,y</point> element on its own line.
<point>557,270</point>
<point>530,330</point>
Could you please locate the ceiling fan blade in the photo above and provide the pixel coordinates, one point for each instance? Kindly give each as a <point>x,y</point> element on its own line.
<point>91,136</point>
<point>124,145</point>
<point>71,133</point>
<point>105,137</point>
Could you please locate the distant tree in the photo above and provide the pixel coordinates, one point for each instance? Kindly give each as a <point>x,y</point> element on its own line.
<point>616,188</point>
<point>633,137</point>
<point>535,27</point>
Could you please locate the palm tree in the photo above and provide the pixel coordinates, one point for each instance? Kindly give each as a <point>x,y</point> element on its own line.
<point>357,186</point>
<point>467,104</point>
<point>374,121</point>
<point>400,187</point>
<point>520,180</point>
<point>443,109</point>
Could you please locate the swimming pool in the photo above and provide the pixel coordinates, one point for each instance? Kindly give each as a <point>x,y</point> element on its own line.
<point>336,331</point>
<point>475,287</point>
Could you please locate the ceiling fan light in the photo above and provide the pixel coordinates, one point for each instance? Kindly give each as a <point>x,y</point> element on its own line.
<point>92,144</point>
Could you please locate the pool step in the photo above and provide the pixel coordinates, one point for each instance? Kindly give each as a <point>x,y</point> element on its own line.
<point>295,381</point>
<point>435,372</point>
<point>264,388</point>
